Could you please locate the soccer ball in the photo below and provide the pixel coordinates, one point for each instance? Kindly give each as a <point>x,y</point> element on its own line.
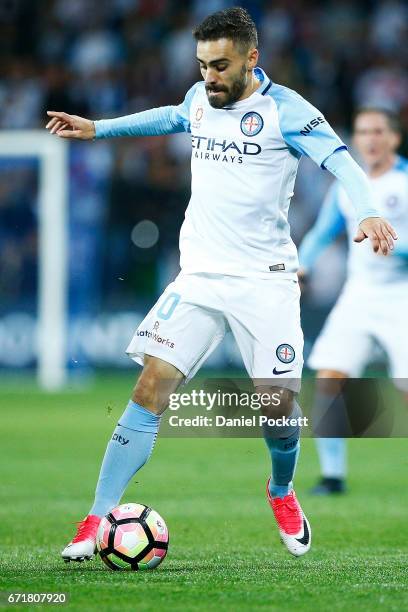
<point>132,537</point>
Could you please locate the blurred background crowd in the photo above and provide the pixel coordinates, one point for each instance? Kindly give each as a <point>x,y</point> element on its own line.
<point>104,58</point>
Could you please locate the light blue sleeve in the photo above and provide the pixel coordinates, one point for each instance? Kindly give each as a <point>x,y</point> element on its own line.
<point>303,126</point>
<point>328,225</point>
<point>153,122</point>
<point>355,183</point>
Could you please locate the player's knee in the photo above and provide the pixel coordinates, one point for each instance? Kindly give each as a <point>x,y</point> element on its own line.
<point>145,392</point>
<point>157,381</point>
<point>331,381</point>
<point>280,402</point>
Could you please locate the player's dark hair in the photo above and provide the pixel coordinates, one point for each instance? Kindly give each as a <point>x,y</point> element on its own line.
<point>234,23</point>
<point>392,118</point>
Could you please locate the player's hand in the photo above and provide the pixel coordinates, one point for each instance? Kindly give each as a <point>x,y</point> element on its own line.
<point>70,126</point>
<point>380,232</point>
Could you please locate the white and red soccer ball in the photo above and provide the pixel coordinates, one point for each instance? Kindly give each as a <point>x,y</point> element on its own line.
<point>132,536</point>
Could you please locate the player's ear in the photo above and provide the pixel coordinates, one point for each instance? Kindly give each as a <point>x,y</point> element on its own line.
<point>253,55</point>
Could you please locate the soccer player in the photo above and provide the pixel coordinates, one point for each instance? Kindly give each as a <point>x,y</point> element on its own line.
<point>372,307</point>
<point>238,262</point>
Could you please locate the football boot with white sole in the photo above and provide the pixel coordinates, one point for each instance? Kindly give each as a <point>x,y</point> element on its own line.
<point>83,545</point>
<point>294,528</point>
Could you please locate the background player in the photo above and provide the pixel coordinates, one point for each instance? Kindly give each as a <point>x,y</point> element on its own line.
<point>374,301</point>
<point>248,135</point>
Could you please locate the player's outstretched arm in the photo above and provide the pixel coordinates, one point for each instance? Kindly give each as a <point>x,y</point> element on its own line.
<point>70,126</point>
<point>152,122</point>
<point>319,141</point>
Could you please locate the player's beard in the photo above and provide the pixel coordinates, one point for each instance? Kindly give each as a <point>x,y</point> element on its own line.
<point>232,93</point>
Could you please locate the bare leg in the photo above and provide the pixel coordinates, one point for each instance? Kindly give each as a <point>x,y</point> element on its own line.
<point>155,384</point>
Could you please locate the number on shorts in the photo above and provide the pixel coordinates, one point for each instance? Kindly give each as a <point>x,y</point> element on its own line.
<point>167,308</point>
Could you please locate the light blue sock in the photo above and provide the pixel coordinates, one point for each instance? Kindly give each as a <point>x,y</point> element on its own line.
<point>128,450</point>
<point>332,457</point>
<point>284,455</point>
<point>284,447</point>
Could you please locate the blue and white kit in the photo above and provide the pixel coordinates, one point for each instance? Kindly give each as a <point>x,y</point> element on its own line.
<point>371,310</point>
<point>238,261</point>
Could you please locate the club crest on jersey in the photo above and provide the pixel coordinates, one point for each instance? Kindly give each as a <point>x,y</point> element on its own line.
<point>251,123</point>
<point>199,113</point>
<point>285,353</point>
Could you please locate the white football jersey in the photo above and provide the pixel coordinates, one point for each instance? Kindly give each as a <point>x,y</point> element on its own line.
<point>244,162</point>
<point>390,192</point>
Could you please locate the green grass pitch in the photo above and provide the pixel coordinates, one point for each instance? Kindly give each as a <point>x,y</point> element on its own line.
<point>224,550</point>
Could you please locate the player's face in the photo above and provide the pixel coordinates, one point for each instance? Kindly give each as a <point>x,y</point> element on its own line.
<point>225,68</point>
<point>374,139</point>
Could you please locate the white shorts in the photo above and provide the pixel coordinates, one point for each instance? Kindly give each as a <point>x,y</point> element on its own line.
<point>195,311</point>
<point>363,319</point>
